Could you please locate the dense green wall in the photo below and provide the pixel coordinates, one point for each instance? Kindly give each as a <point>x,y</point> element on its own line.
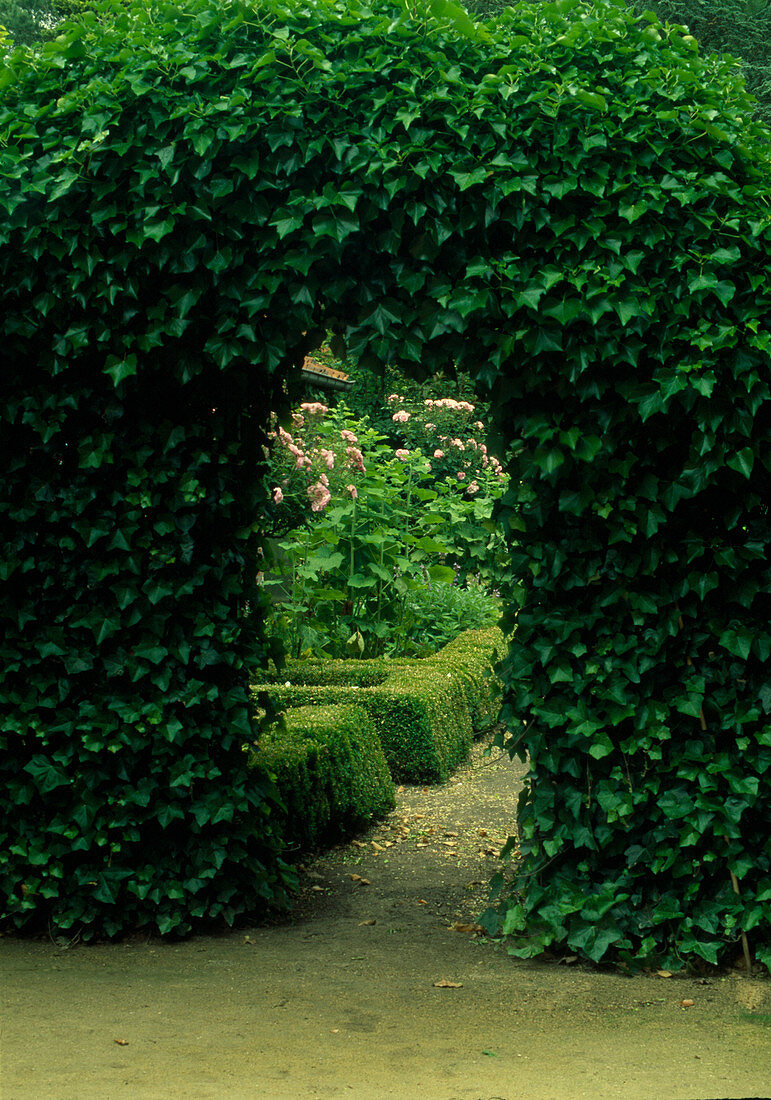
<point>562,206</point>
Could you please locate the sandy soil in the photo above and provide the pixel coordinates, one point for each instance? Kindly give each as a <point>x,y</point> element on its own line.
<point>342,1000</point>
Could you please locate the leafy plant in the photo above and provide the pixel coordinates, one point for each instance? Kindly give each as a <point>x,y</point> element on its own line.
<point>377,524</point>
<point>434,616</point>
<point>571,205</point>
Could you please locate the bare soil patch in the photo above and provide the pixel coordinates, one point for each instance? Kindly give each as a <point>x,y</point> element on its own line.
<point>378,987</point>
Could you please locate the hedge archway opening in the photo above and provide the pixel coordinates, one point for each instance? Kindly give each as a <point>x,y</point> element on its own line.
<point>570,205</point>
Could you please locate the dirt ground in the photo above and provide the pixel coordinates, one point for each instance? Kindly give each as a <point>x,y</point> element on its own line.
<point>342,1000</point>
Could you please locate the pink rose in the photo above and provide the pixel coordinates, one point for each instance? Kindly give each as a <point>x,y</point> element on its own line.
<point>312,408</point>
<point>348,437</point>
<point>472,487</point>
<point>430,427</point>
<point>328,457</point>
<point>278,496</point>
<point>319,496</point>
<point>438,453</point>
<point>352,490</point>
<point>355,459</point>
<point>402,455</point>
<point>402,417</point>
<point>461,476</point>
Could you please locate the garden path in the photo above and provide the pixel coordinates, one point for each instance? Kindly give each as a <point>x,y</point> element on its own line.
<point>343,1002</point>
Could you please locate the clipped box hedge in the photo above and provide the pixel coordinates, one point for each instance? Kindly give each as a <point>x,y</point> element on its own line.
<point>330,771</point>
<point>473,656</point>
<point>425,711</point>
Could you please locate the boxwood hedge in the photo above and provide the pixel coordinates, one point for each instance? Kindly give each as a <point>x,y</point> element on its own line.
<point>425,711</point>
<point>330,771</point>
<point>571,205</point>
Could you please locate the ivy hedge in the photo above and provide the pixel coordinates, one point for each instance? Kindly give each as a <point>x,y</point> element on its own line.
<point>562,204</point>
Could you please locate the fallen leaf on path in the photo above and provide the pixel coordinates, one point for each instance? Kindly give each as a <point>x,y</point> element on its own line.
<point>121,1042</point>
<point>568,960</point>
<point>361,881</point>
<point>248,939</point>
<point>447,833</point>
<point>372,921</point>
<point>444,984</point>
<point>400,790</point>
<point>376,846</point>
<point>318,889</point>
<point>481,832</point>
<point>664,973</point>
<point>687,1003</point>
<point>459,927</point>
<point>422,902</point>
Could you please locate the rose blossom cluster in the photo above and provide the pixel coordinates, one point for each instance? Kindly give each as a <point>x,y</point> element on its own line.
<point>442,426</point>
<point>310,453</point>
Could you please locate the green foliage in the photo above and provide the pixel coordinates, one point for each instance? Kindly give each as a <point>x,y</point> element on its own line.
<point>737,28</point>
<point>435,616</point>
<point>26,21</point>
<point>425,711</point>
<point>571,206</point>
<point>330,772</point>
<point>378,527</point>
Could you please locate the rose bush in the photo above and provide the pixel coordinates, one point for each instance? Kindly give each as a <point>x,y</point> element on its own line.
<point>363,530</point>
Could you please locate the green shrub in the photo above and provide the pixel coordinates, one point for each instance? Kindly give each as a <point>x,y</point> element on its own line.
<point>330,772</point>
<point>425,711</point>
<point>436,615</point>
<point>474,656</point>
<point>569,204</point>
<point>367,528</point>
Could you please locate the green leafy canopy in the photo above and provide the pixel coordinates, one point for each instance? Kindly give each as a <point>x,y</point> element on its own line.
<point>562,204</point>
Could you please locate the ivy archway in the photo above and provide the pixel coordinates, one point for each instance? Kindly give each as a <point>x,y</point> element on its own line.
<point>571,207</point>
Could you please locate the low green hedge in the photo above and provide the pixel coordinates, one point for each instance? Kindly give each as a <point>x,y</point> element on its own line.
<point>330,771</point>
<point>473,656</point>
<point>425,711</point>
